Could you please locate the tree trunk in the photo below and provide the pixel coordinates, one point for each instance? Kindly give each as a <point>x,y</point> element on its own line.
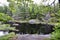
<point>59,3</point>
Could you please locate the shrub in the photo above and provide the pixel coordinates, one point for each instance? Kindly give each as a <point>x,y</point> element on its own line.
<point>4,17</point>
<point>6,27</point>
<point>56,33</point>
<point>7,37</point>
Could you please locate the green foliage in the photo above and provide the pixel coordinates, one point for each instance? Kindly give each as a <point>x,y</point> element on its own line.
<point>58,12</point>
<point>56,33</point>
<point>6,27</point>
<point>23,8</point>
<point>39,10</point>
<point>1,9</point>
<point>26,9</point>
<point>7,37</point>
<point>4,17</point>
<point>55,17</point>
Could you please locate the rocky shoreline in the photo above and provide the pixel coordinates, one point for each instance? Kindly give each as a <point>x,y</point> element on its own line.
<point>32,37</point>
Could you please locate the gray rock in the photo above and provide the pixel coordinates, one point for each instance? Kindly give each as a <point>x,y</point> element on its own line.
<point>33,37</point>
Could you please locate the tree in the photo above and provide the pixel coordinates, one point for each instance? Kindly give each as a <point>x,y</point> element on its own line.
<point>1,9</point>
<point>19,7</point>
<point>59,3</point>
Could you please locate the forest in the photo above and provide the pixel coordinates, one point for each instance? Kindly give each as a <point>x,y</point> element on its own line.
<point>22,17</point>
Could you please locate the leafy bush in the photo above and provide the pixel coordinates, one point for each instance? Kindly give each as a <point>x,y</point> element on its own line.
<point>4,17</point>
<point>56,33</point>
<point>7,37</point>
<point>6,27</point>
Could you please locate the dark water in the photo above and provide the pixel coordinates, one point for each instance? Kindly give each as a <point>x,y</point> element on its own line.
<point>31,28</point>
